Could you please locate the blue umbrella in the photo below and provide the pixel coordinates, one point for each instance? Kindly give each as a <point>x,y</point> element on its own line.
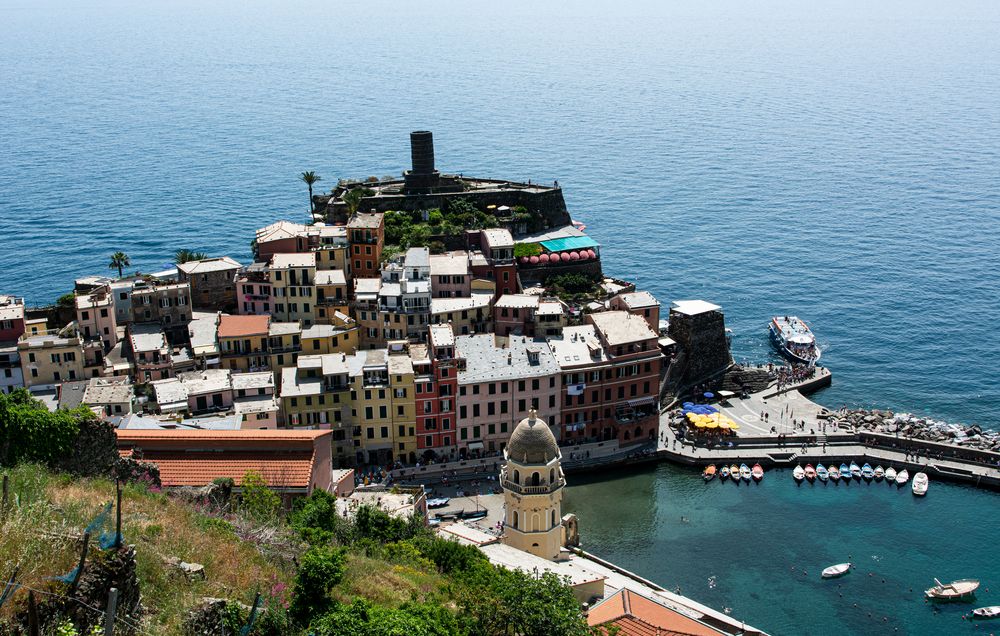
<point>709,395</point>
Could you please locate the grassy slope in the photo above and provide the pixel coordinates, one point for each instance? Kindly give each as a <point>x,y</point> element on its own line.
<point>158,526</point>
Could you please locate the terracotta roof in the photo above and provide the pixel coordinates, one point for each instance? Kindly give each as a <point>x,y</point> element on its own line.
<point>275,435</point>
<point>236,326</point>
<point>280,470</point>
<point>636,615</point>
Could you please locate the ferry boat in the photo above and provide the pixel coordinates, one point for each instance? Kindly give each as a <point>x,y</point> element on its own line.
<point>794,340</point>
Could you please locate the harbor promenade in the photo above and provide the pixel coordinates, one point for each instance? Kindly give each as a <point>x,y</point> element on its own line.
<point>784,428</point>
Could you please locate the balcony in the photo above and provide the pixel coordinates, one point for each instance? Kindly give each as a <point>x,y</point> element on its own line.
<point>533,490</point>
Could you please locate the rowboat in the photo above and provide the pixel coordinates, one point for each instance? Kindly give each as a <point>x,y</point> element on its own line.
<point>986,612</point>
<point>821,472</point>
<point>834,571</point>
<point>855,471</point>
<point>709,473</point>
<point>810,472</point>
<point>902,477</point>
<point>845,473</point>
<point>757,472</point>
<point>724,473</point>
<point>734,473</point>
<point>834,473</point>
<point>744,472</point>
<point>879,473</point>
<point>920,483</point>
<point>959,590</point>
<point>866,472</point>
<point>798,474</point>
<point>890,475</point>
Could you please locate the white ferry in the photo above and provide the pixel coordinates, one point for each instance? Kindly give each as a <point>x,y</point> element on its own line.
<point>794,340</point>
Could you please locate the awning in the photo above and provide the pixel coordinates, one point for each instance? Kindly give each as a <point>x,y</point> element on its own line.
<point>475,446</point>
<point>570,243</point>
<point>642,401</point>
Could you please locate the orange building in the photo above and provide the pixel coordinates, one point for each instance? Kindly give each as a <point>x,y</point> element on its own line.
<point>636,615</point>
<point>366,234</point>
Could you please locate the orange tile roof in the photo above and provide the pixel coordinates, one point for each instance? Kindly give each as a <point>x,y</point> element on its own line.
<point>236,326</point>
<point>280,470</point>
<point>636,615</point>
<point>277,435</point>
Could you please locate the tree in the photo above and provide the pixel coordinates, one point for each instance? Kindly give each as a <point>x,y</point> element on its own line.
<point>258,502</point>
<point>119,261</point>
<point>186,256</point>
<point>309,178</point>
<point>353,198</point>
<point>320,568</point>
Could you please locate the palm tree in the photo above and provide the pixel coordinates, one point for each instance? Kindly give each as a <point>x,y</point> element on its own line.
<point>120,261</point>
<point>184,256</point>
<point>309,178</point>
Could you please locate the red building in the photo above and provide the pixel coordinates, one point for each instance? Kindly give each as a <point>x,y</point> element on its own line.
<point>610,376</point>
<point>11,318</point>
<point>435,368</point>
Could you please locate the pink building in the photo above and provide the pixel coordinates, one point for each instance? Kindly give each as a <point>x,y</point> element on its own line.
<point>11,318</point>
<point>253,290</point>
<point>498,383</point>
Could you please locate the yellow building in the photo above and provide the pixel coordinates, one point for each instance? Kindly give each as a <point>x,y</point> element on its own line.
<point>469,315</point>
<point>47,360</point>
<point>320,339</point>
<point>316,393</point>
<point>371,416</point>
<point>293,286</point>
<point>243,342</point>
<point>331,294</point>
<point>284,344</point>
<point>404,410</point>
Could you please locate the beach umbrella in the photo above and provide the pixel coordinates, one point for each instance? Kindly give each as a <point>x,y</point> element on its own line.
<point>709,395</point>
<point>564,256</point>
<point>734,426</point>
<point>574,256</point>
<point>711,424</point>
<point>524,260</point>
<point>533,260</point>
<point>544,258</point>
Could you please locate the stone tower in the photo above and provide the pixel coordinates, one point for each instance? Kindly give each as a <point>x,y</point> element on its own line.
<point>532,482</point>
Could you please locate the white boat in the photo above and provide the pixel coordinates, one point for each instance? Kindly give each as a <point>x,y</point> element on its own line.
<point>890,474</point>
<point>902,477</point>
<point>920,484</point>
<point>986,612</point>
<point>834,571</point>
<point>954,591</point>
<point>798,473</point>
<point>879,473</point>
<point>794,340</point>
<point>744,472</point>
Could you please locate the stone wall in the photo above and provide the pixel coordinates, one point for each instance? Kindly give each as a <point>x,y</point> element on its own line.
<point>539,274</point>
<point>704,350</point>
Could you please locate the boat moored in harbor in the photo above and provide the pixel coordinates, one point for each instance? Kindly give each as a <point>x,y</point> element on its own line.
<point>734,473</point>
<point>798,473</point>
<point>855,471</point>
<point>890,474</point>
<point>757,472</point>
<point>709,473</point>
<point>810,472</point>
<point>920,484</point>
<point>959,590</point>
<point>986,612</point>
<point>821,472</point>
<point>745,472</point>
<point>879,473</point>
<point>794,340</point>
<point>845,473</point>
<point>902,477</point>
<point>724,473</point>
<point>867,473</point>
<point>834,473</point>
<point>834,571</point>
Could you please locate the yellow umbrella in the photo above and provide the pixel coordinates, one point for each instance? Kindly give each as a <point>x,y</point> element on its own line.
<point>711,424</point>
<point>725,424</point>
<point>734,426</point>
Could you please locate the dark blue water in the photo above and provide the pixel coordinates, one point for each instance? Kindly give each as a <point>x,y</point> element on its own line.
<point>759,549</point>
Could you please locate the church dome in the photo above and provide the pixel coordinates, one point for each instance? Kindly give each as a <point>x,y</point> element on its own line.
<point>532,442</point>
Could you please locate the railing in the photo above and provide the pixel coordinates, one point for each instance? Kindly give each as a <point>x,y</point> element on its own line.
<point>533,490</point>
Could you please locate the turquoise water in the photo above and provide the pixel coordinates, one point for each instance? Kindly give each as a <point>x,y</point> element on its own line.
<point>759,548</point>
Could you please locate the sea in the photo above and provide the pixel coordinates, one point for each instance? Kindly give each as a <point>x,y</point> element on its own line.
<point>839,161</point>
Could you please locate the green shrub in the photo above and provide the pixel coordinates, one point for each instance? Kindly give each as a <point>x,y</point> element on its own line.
<point>257,501</point>
<point>320,568</point>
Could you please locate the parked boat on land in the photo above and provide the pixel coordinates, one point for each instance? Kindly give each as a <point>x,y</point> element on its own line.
<point>960,590</point>
<point>821,472</point>
<point>794,340</point>
<point>744,472</point>
<point>709,473</point>
<point>724,473</point>
<point>920,484</point>
<point>834,473</point>
<point>902,477</point>
<point>879,473</point>
<point>867,473</point>
<point>798,473</point>
<point>890,474</point>
<point>986,612</point>
<point>757,472</point>
<point>834,571</point>
<point>855,470</point>
<point>810,472</point>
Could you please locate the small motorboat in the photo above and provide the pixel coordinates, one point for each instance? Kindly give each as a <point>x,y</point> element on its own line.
<point>744,472</point>
<point>986,612</point>
<point>834,473</point>
<point>902,477</point>
<point>810,472</point>
<point>890,475</point>
<point>757,472</point>
<point>920,484</point>
<point>867,473</point>
<point>798,473</point>
<point>834,571</point>
<point>879,473</point>
<point>709,473</point>
<point>724,473</point>
<point>959,590</point>
<point>734,473</point>
<point>821,472</point>
<point>855,470</point>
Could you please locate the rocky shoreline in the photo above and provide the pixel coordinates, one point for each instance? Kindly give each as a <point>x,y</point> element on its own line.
<point>917,427</point>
